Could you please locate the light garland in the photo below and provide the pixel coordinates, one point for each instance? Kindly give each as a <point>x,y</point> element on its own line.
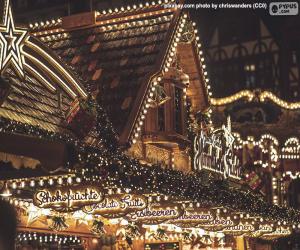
<point>156,80</point>
<point>133,7</point>
<point>250,95</point>
<point>291,175</point>
<point>291,149</point>
<point>272,149</point>
<point>233,98</point>
<point>43,238</point>
<point>244,219</point>
<point>287,105</point>
<point>54,23</point>
<point>117,170</point>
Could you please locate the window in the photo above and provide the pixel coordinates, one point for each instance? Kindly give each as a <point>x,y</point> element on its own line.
<point>178,110</point>
<point>249,69</point>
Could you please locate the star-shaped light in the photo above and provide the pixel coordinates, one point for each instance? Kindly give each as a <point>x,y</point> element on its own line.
<point>37,214</point>
<point>81,218</point>
<point>11,42</point>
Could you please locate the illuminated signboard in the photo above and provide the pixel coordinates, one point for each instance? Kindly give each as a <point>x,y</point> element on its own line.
<point>214,152</point>
<point>67,198</point>
<point>117,205</point>
<point>157,213</point>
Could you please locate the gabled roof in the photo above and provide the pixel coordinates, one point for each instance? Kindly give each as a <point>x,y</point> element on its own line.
<point>121,55</point>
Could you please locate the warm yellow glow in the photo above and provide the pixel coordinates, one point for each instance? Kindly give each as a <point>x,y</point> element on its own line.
<point>233,98</point>
<point>263,96</point>
<point>11,40</point>
<point>45,68</point>
<point>58,66</point>
<point>39,76</point>
<point>287,105</point>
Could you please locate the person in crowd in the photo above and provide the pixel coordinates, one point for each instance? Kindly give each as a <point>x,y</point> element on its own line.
<point>8,226</point>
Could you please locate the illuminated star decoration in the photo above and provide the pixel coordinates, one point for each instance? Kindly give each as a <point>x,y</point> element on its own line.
<point>81,218</point>
<point>11,42</point>
<point>37,214</point>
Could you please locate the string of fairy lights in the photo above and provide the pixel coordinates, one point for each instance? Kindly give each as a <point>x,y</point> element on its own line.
<point>290,149</point>
<point>117,170</point>
<point>123,9</point>
<point>269,145</point>
<point>246,226</point>
<point>251,95</point>
<point>47,239</point>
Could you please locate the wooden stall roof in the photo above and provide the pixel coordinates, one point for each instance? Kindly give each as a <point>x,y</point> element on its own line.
<point>30,102</point>
<point>116,59</point>
<point>113,56</point>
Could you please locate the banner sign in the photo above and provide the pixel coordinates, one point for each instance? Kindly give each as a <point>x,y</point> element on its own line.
<point>118,205</point>
<point>67,198</point>
<point>214,152</point>
<point>156,213</point>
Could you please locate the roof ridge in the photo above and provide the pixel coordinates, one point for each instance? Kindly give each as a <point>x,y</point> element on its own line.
<point>106,14</point>
<point>133,126</point>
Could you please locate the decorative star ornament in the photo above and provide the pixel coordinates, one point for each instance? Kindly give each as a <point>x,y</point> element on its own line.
<point>81,218</point>
<point>37,214</point>
<point>11,42</point>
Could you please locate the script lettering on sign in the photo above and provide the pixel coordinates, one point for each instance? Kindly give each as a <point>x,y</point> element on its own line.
<point>214,152</point>
<point>262,229</point>
<point>155,214</point>
<point>217,224</point>
<point>239,229</point>
<point>67,198</point>
<point>279,232</point>
<point>117,205</point>
<point>192,217</point>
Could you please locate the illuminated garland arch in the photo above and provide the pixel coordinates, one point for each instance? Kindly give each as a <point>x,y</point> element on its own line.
<point>250,95</point>
<point>27,54</point>
<point>273,148</point>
